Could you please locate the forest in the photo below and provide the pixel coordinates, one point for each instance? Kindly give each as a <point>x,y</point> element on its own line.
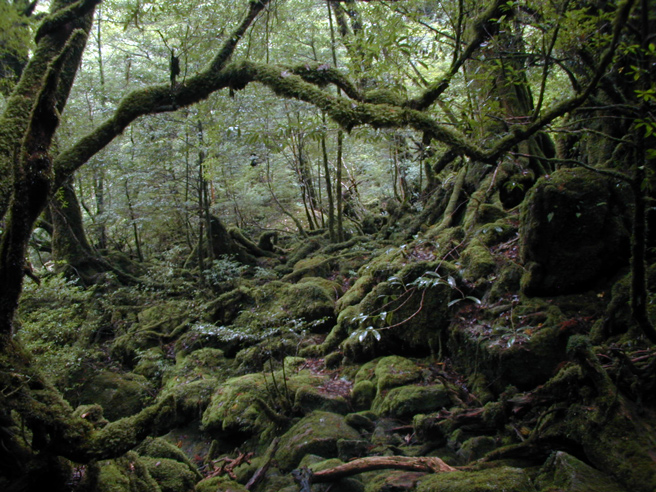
<point>328,245</point>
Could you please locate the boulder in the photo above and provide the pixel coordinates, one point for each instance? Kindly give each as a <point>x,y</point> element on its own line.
<point>574,232</point>
<point>317,433</point>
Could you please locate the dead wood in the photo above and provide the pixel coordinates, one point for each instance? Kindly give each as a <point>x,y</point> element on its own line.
<point>371,463</point>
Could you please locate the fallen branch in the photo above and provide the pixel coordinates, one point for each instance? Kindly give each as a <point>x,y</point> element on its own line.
<point>371,463</point>
<point>261,471</point>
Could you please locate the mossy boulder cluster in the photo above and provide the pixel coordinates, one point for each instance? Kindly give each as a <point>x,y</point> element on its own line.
<point>432,347</point>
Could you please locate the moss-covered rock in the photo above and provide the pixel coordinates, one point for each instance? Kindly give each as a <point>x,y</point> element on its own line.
<point>478,262</point>
<point>564,472</point>
<point>573,232</point>
<point>161,448</point>
<point>317,433</point>
<point>393,371</point>
<point>407,401</point>
<point>308,399</point>
<point>363,394</point>
<point>119,394</point>
<point>234,407</point>
<point>171,475</point>
<point>219,484</point>
<point>491,480</point>
<point>408,311</point>
<point>194,378</point>
<point>389,480</point>
<point>126,474</point>
<point>356,293</point>
<point>522,347</point>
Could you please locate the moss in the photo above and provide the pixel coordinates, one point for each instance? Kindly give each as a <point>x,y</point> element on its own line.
<point>363,394</point>
<point>478,262</point>
<point>406,401</point>
<point>484,214</point>
<point>233,407</point>
<point>119,394</point>
<point>305,249</point>
<point>219,484</point>
<point>476,447</point>
<point>260,356</point>
<point>410,316</point>
<point>315,266</point>
<point>362,420</point>
<point>493,479</point>
<point>356,293</point>
<point>126,474</point>
<point>495,233</point>
<point>308,399</point>
<point>573,232</point>
<point>367,371</point>
<point>395,371</point>
<point>389,480</point>
<point>316,433</point>
<point>171,475</point>
<point>564,472</point>
<point>156,447</point>
<point>152,365</point>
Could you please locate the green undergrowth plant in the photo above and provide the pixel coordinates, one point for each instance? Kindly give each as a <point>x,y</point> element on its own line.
<point>224,273</point>
<point>371,324</point>
<point>57,321</point>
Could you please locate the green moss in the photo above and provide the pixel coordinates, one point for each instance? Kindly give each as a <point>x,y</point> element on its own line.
<point>395,371</point>
<point>152,365</point>
<point>478,262</point>
<point>222,484</point>
<point>315,266</point>
<point>119,394</point>
<point>406,401</point>
<point>492,480</point>
<point>363,394</point>
<point>316,433</point>
<point>573,232</point>
<point>356,293</point>
<point>171,475</point>
<point>126,474</point>
<point>564,472</point>
<point>389,480</point>
<point>160,448</point>
<point>308,399</point>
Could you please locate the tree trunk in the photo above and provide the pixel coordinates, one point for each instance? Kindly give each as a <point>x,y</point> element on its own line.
<point>71,250</point>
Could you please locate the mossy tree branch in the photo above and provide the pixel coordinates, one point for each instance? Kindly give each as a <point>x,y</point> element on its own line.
<point>304,83</point>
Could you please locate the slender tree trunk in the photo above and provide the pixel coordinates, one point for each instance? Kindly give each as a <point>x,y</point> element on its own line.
<point>329,187</point>
<point>338,186</point>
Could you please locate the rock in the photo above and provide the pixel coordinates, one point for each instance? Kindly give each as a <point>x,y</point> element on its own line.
<point>393,480</point>
<point>171,475</point>
<point>120,395</point>
<point>573,232</point>
<point>308,398</point>
<point>395,371</point>
<point>219,484</point>
<point>362,395</point>
<point>406,401</point>
<point>502,478</point>
<point>563,471</point>
<point>317,433</point>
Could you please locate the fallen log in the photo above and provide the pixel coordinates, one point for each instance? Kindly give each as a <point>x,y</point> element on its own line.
<point>372,463</point>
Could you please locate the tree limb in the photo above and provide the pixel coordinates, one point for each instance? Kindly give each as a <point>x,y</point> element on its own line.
<point>372,463</point>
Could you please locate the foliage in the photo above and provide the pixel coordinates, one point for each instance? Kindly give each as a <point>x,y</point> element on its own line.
<point>58,322</point>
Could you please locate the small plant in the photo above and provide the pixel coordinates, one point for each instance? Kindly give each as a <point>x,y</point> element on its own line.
<point>224,272</point>
<point>372,324</point>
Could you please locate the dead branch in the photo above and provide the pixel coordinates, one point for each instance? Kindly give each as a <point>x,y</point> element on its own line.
<point>371,463</point>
